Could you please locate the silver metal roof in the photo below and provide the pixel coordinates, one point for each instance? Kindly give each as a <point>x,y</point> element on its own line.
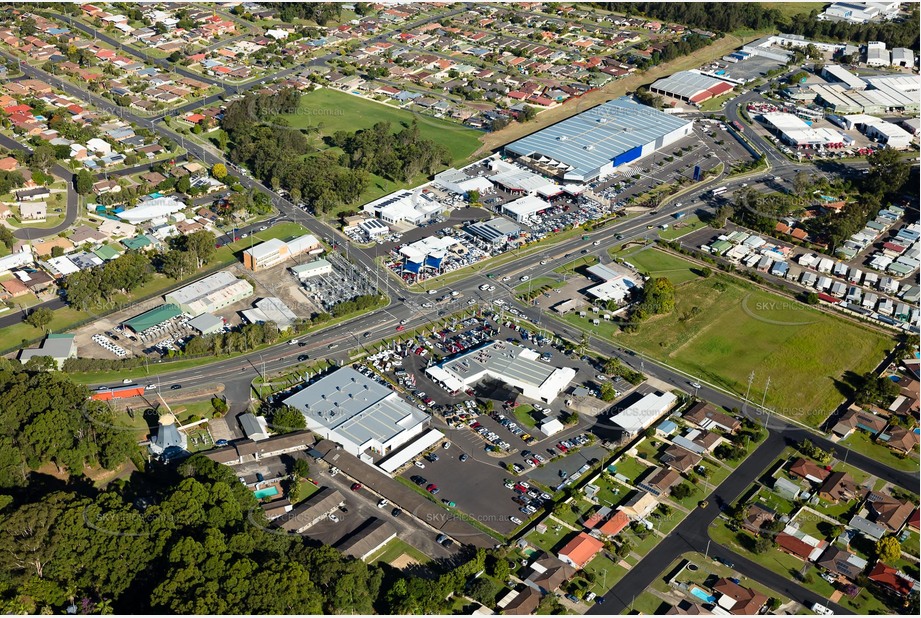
<point>590,140</point>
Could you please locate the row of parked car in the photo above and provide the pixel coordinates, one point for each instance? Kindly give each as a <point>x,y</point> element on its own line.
<point>490,436</point>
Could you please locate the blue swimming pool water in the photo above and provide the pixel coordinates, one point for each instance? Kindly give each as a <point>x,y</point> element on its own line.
<point>265,493</point>
<point>703,596</point>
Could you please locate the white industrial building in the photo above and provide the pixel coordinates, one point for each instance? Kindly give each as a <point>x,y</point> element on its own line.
<point>373,228</point>
<point>639,416</point>
<point>795,132</point>
<point>368,419</point>
<point>878,55</point>
<point>618,283</point>
<point>860,12</point>
<point>457,181</point>
<point>496,231</point>
<point>838,73</point>
<point>156,209</point>
<point>270,309</point>
<point>412,207</point>
<point>892,135</point>
<point>525,207</point>
<point>598,141</point>
<point>275,251</point>
<point>690,86</point>
<point>510,364</point>
<point>210,294</point>
<point>903,57</point>
<point>316,268</point>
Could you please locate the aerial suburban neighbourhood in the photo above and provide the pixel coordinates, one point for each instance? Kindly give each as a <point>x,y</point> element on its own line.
<point>454,308</point>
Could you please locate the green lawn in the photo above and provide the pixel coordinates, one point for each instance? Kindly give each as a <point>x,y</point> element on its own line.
<point>862,443</point>
<point>716,103</point>
<point>647,604</point>
<point>396,548</point>
<point>523,416</point>
<point>802,350</point>
<point>606,573</point>
<point>536,284</point>
<point>570,267</point>
<point>333,110</point>
<point>631,468</point>
<point>660,264</point>
<point>551,539</point>
<point>684,226</point>
<point>572,517</point>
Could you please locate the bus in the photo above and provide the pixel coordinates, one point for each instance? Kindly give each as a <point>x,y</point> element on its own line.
<point>737,125</point>
<point>719,191</point>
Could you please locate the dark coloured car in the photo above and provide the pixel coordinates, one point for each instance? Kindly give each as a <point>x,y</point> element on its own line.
<point>259,477</point>
<point>396,512</point>
<point>221,442</point>
<point>302,358</point>
<point>175,387</point>
<point>356,486</point>
<point>418,480</point>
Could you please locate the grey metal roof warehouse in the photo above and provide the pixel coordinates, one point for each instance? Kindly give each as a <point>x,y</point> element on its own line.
<point>494,229</point>
<point>685,84</point>
<point>355,407</point>
<point>593,139</point>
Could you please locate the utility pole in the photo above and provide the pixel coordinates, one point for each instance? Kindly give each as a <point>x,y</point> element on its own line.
<point>763,398</point>
<point>751,378</point>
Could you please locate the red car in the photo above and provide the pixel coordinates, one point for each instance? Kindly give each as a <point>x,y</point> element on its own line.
<point>431,487</point>
<point>400,327</point>
<point>356,486</point>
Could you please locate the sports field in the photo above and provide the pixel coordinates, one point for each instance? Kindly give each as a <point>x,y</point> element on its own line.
<point>334,110</point>
<point>723,329</point>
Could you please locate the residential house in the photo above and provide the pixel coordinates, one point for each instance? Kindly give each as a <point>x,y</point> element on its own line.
<point>679,458</point>
<point>706,416</point>
<point>890,578</point>
<point>809,470</point>
<point>838,487</point>
<point>523,604</point>
<point>686,608</point>
<point>841,562</point>
<point>548,574</point>
<point>639,505</point>
<point>756,516</point>
<point>867,527</point>
<point>889,512</point>
<point>738,600</point>
<point>900,439</point>
<point>608,522</point>
<point>856,418</point>
<point>580,550</point>
<point>798,547</point>
<point>660,482</point>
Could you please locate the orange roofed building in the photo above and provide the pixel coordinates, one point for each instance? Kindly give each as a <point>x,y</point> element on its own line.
<point>580,551</point>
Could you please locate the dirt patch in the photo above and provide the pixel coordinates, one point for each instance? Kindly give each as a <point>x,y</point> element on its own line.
<point>402,561</point>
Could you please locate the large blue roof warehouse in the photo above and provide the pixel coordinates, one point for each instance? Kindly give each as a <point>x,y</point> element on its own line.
<point>597,141</point>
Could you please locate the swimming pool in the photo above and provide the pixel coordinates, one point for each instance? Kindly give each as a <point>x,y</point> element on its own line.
<point>703,596</point>
<point>267,492</point>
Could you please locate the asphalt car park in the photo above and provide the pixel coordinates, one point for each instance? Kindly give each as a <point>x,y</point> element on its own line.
<point>475,486</point>
<point>360,506</point>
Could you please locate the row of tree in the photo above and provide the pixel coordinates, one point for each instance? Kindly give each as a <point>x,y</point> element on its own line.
<point>726,17</point>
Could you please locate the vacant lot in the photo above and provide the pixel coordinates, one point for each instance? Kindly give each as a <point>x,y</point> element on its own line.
<point>333,110</point>
<point>723,329</point>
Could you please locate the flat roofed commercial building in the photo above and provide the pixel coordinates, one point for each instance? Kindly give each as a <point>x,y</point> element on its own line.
<point>154,317</point>
<point>496,231</point>
<point>358,413</point>
<point>644,412</point>
<point>210,294</point>
<point>690,86</point>
<point>310,511</point>
<point>315,268</point>
<point>271,309</point>
<point>513,365</point>
<point>597,141</point>
<point>273,252</point>
<point>369,539</point>
<point>207,324</point>
<point>58,347</point>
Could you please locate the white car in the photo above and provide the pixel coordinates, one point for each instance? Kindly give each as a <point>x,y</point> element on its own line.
<point>382,503</point>
<point>515,521</point>
<point>446,445</point>
<point>543,262</point>
<point>524,278</point>
<point>506,278</point>
<point>263,228</point>
<point>695,385</point>
<point>333,518</point>
<point>418,464</point>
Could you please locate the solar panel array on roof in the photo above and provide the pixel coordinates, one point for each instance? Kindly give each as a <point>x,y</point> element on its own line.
<point>591,140</point>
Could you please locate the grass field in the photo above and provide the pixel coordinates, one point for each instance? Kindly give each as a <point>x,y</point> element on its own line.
<point>396,548</point>
<point>737,329</point>
<point>687,225</point>
<point>536,284</point>
<point>789,9</point>
<point>570,267</point>
<point>862,443</point>
<point>333,110</point>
